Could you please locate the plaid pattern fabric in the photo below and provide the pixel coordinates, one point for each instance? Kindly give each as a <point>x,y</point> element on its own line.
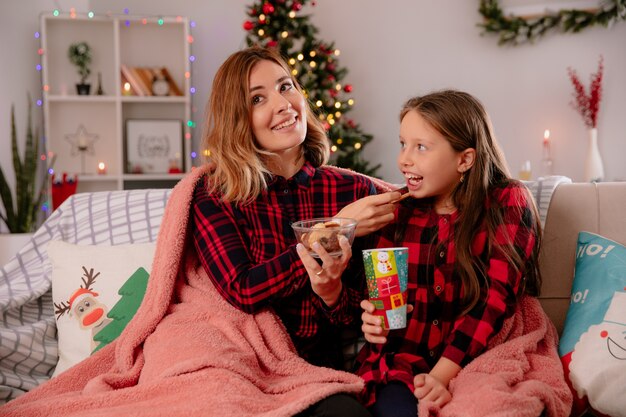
<point>434,328</point>
<point>28,344</point>
<point>542,190</point>
<point>249,251</point>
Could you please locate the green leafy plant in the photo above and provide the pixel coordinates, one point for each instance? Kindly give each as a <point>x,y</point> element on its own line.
<point>80,55</point>
<point>516,30</point>
<point>20,211</point>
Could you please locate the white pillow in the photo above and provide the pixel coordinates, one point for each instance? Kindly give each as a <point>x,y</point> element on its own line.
<point>86,286</point>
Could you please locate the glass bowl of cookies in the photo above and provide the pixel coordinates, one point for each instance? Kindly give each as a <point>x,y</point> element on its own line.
<point>326,231</point>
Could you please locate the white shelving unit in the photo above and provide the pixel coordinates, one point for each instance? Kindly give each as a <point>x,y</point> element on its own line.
<point>115,41</point>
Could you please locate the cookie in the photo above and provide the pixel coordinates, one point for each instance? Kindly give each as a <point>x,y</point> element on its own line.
<point>327,234</point>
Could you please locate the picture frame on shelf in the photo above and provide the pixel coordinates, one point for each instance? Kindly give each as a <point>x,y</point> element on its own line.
<point>154,146</point>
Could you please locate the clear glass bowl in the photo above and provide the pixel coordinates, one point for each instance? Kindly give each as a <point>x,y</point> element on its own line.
<point>326,231</point>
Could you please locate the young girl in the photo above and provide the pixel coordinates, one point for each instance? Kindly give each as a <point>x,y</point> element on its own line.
<point>269,150</point>
<point>473,238</point>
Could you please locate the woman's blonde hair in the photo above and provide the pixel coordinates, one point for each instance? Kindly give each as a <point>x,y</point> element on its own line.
<point>242,171</point>
<point>464,122</point>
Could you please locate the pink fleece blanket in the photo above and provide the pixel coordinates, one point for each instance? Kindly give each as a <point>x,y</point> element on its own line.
<point>187,352</point>
<point>518,376</point>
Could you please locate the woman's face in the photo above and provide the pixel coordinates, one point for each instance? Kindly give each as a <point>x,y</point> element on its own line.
<point>278,110</point>
<point>431,167</point>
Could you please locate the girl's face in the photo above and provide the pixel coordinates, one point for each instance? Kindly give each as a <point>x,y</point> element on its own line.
<point>278,110</point>
<point>431,167</point>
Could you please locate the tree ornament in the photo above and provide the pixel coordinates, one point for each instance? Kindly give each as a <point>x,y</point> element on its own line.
<point>272,44</point>
<point>268,8</point>
<point>296,7</point>
<point>347,88</point>
<point>248,25</point>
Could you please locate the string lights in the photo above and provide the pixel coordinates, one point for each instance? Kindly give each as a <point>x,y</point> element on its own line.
<point>127,21</point>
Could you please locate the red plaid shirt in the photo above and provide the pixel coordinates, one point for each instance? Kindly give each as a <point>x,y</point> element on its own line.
<point>434,328</point>
<point>249,252</point>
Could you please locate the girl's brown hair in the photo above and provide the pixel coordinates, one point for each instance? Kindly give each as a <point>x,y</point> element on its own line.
<point>463,121</point>
<point>241,164</point>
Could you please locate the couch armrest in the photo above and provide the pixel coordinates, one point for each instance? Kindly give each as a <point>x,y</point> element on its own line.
<point>592,207</point>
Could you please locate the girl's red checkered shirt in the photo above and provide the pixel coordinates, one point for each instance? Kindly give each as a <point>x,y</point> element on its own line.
<point>435,328</point>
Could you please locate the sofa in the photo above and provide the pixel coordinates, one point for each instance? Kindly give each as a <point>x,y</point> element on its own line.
<point>28,336</point>
<point>594,207</point>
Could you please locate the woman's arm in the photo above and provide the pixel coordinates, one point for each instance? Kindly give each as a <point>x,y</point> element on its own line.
<point>223,248</point>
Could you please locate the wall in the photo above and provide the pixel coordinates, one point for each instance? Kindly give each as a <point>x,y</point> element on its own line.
<point>19,21</point>
<point>417,46</point>
<point>392,53</point>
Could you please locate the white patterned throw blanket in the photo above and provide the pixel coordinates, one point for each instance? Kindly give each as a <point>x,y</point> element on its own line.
<point>28,344</point>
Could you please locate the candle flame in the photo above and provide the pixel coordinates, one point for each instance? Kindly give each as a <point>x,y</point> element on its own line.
<point>126,86</point>
<point>546,135</point>
<point>101,165</point>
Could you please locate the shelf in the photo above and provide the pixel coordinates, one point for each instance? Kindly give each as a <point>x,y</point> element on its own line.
<point>96,178</point>
<point>153,177</point>
<point>80,99</point>
<point>102,121</point>
<point>155,99</point>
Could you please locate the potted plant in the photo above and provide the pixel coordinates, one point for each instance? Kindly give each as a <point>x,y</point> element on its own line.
<point>80,55</point>
<point>20,206</point>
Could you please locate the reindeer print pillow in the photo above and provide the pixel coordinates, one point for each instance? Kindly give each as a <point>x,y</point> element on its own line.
<point>96,290</point>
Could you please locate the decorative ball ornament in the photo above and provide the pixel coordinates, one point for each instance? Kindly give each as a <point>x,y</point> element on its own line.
<point>268,8</point>
<point>248,25</point>
<point>296,6</point>
<point>347,88</point>
<point>272,44</point>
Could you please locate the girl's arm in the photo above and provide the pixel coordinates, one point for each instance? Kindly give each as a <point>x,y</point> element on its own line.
<point>445,370</point>
<point>433,386</point>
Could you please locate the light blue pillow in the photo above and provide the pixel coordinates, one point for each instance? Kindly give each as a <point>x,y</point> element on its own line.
<point>593,343</point>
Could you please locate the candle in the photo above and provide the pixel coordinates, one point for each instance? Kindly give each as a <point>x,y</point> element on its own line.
<point>102,168</point>
<point>126,91</point>
<point>546,158</point>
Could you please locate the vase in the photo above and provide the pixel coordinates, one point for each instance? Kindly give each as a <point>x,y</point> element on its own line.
<point>83,89</point>
<point>594,170</point>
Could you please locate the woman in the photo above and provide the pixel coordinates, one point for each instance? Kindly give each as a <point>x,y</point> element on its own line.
<point>270,150</point>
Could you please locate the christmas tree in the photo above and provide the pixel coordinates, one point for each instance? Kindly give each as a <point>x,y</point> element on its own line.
<point>132,293</point>
<point>280,24</point>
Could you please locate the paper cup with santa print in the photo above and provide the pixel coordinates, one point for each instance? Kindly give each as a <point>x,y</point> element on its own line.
<point>386,271</point>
